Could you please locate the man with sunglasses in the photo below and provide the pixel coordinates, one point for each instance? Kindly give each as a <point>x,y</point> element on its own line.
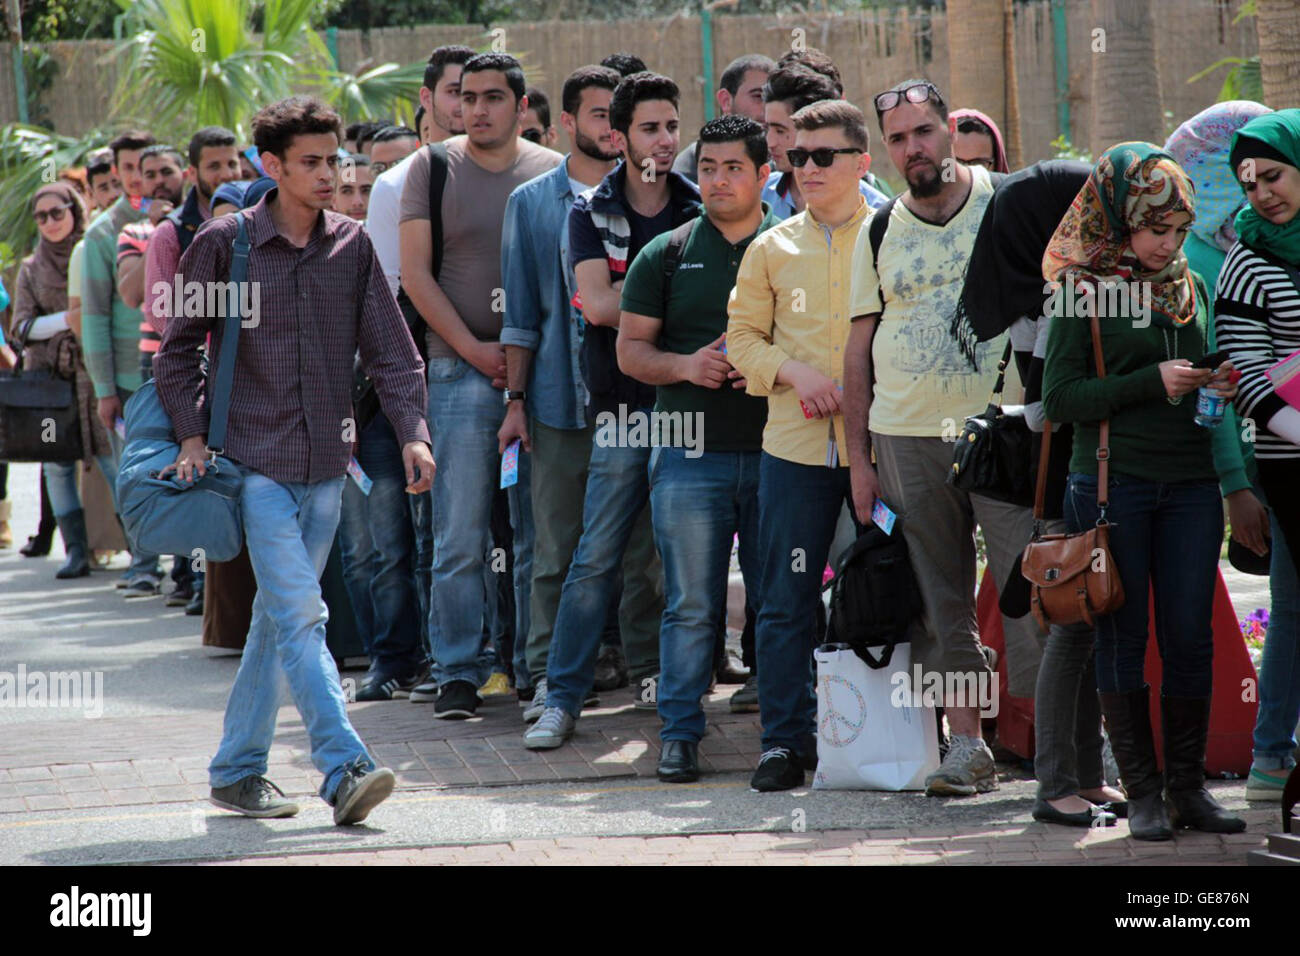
<point>536,125</point>
<point>789,89</point>
<point>911,383</point>
<point>786,334</point>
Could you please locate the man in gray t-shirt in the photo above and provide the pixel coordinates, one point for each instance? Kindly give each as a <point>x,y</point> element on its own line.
<point>463,308</point>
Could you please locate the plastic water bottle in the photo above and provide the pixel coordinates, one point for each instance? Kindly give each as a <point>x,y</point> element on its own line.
<point>1209,408</point>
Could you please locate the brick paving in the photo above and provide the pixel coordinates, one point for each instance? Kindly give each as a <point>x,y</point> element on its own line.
<point>1015,845</point>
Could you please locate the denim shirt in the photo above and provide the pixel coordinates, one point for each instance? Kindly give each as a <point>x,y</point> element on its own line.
<point>539,287</point>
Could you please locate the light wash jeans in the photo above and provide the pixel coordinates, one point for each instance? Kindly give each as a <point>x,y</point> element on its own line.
<point>61,483</point>
<point>699,504</point>
<point>289,528</point>
<point>465,412</point>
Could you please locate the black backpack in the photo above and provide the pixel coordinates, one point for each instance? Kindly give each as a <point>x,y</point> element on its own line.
<point>874,596</point>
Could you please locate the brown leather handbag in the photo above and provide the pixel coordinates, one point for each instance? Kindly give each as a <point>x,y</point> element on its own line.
<point>1072,577</point>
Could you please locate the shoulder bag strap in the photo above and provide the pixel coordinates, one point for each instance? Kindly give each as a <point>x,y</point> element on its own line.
<point>437,185</point>
<point>225,376</point>
<point>677,240</point>
<point>1103,438</point>
<point>996,397</point>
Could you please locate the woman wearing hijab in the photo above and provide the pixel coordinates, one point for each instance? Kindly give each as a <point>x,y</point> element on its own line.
<point>977,141</point>
<point>1118,254</point>
<point>1004,290</point>
<point>40,322</point>
<point>1258,323</point>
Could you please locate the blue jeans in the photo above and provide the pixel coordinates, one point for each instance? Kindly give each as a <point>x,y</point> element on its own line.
<point>1279,671</point>
<point>465,412</point>
<point>142,562</point>
<point>1166,538</point>
<point>799,506</point>
<point>289,528</point>
<point>376,542</point>
<point>618,491</point>
<point>61,483</point>
<point>699,504</point>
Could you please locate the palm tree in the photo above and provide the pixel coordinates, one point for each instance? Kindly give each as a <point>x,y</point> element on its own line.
<point>1278,22</point>
<point>981,56</point>
<point>1126,103</point>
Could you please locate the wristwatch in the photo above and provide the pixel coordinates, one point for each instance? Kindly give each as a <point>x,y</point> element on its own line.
<point>513,397</point>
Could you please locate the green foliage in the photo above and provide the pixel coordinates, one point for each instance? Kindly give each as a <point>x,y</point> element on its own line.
<point>386,90</point>
<point>1242,81</point>
<point>45,20</point>
<point>1062,148</point>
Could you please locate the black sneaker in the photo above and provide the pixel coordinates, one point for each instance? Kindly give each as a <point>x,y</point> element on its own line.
<point>195,607</point>
<point>611,668</point>
<point>360,792</point>
<point>253,796</point>
<point>180,596</point>
<point>457,699</point>
<point>407,684</point>
<point>778,769</point>
<point>377,688</point>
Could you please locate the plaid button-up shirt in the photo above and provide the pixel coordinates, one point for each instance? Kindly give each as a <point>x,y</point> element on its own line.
<point>291,415</point>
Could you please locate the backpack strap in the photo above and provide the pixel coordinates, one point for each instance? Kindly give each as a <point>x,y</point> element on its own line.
<point>437,186</point>
<point>677,240</point>
<point>225,377</point>
<point>876,230</point>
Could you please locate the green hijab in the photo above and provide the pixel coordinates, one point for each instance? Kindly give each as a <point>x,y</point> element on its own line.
<point>1280,133</point>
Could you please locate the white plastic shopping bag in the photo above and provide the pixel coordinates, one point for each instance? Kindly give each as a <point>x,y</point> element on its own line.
<point>872,731</point>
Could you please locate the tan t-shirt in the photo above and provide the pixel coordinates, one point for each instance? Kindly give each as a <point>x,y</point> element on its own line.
<point>924,385</point>
<point>473,210</point>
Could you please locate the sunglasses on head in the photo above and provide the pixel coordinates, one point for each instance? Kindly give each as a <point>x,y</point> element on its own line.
<point>532,135</point>
<point>821,157</point>
<point>916,93</point>
<point>52,215</point>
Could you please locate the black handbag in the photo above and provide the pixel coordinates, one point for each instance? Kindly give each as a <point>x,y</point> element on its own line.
<point>994,451</point>
<point>39,420</point>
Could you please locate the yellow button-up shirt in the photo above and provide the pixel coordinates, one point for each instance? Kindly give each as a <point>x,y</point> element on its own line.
<point>791,301</point>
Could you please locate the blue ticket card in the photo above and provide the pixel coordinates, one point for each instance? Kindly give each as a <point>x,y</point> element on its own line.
<point>363,480</point>
<point>510,465</point>
<point>883,517</point>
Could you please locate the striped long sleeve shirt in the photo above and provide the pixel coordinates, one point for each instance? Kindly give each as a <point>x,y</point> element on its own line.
<point>1257,321</point>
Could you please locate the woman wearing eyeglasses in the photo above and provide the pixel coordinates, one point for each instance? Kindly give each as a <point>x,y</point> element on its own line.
<point>41,327</point>
<point>1118,254</point>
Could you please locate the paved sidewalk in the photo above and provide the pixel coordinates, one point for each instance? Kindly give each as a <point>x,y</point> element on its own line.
<point>1051,845</point>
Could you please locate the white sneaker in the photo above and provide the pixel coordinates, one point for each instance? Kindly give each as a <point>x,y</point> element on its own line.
<point>534,707</point>
<point>552,729</point>
<point>968,769</point>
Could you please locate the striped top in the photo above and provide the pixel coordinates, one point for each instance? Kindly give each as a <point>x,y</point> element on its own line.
<point>1257,321</point>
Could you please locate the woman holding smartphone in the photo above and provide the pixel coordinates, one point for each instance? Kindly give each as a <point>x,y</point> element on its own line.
<point>1118,254</point>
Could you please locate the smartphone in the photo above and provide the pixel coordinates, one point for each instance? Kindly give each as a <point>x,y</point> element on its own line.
<point>1211,361</point>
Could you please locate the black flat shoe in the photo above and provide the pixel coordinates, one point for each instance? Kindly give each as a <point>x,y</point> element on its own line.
<point>1117,807</point>
<point>1044,812</point>
<point>679,762</point>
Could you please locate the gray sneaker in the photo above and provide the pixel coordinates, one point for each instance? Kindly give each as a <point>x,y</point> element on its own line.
<point>552,729</point>
<point>537,705</point>
<point>253,796</point>
<point>360,792</point>
<point>745,700</point>
<point>966,770</point>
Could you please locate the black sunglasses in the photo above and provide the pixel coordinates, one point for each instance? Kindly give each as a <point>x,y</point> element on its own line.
<point>821,157</point>
<point>53,215</point>
<point>916,93</point>
<point>532,135</point>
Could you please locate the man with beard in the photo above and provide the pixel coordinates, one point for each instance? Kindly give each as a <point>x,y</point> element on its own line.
<point>542,337</point>
<point>907,388</point>
<point>451,270</point>
<point>740,92</point>
<point>639,199</point>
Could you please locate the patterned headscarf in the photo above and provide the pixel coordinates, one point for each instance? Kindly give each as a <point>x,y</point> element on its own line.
<point>1132,186</point>
<point>1201,147</point>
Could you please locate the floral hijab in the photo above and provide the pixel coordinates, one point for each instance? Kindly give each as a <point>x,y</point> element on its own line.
<point>1132,186</point>
<point>1201,147</point>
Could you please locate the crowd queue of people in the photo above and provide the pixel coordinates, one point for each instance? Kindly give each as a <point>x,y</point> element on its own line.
<point>450,292</point>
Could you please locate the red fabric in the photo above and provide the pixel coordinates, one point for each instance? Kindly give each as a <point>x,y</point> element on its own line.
<point>1232,718</point>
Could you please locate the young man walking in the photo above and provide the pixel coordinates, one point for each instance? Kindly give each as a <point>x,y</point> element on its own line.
<point>907,384</point>
<point>291,428</point>
<point>461,304</point>
<point>789,321</point>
